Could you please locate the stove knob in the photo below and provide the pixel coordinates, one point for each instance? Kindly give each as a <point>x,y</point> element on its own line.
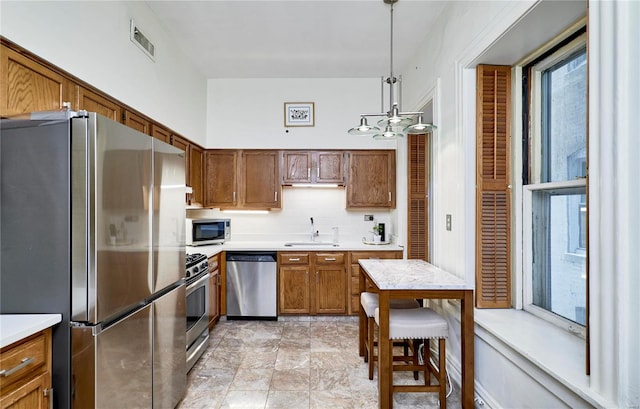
<point>195,270</point>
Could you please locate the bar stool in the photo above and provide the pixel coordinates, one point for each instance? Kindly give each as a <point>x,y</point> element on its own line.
<point>370,304</point>
<point>421,324</point>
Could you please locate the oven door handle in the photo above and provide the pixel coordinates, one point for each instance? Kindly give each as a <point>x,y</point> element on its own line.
<point>191,287</point>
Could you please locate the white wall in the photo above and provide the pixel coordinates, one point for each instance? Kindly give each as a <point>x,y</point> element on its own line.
<point>90,40</point>
<point>249,113</point>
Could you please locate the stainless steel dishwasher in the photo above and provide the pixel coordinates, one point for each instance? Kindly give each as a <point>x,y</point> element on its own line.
<point>251,285</point>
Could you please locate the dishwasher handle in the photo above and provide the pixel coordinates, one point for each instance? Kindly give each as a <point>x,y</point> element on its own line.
<point>252,256</point>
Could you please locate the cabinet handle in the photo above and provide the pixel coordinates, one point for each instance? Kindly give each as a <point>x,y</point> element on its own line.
<point>329,259</point>
<point>389,196</point>
<point>294,259</point>
<point>308,173</point>
<point>318,172</point>
<point>49,393</point>
<point>22,364</point>
<point>275,196</point>
<point>234,197</point>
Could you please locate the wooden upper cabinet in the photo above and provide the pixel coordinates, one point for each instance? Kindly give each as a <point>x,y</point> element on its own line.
<point>160,133</point>
<point>260,176</point>
<point>93,102</point>
<point>28,86</point>
<point>372,179</point>
<point>296,167</point>
<point>329,167</point>
<point>221,178</point>
<point>137,122</point>
<point>196,173</point>
<point>312,167</point>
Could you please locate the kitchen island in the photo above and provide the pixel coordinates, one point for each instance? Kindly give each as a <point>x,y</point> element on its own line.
<point>416,279</point>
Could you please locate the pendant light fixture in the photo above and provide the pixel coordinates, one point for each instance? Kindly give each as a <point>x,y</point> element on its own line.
<point>394,122</point>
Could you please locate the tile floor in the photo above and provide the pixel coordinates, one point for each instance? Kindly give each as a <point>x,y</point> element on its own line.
<point>295,363</point>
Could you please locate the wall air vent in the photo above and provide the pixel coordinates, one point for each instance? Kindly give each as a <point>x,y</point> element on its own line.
<point>141,41</point>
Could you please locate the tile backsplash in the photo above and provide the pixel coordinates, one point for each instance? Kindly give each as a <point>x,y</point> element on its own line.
<point>292,222</point>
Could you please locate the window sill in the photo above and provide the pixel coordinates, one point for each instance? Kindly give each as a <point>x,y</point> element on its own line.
<point>557,353</point>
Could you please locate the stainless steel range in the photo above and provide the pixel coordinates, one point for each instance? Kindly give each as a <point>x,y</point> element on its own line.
<point>197,307</point>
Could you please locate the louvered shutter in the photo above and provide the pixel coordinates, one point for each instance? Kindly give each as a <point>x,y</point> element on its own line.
<point>493,207</point>
<point>417,223</point>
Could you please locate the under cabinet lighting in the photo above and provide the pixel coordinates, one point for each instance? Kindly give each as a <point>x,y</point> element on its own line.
<point>314,185</point>
<point>246,211</point>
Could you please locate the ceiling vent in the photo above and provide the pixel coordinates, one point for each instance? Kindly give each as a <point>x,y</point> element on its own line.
<point>141,41</point>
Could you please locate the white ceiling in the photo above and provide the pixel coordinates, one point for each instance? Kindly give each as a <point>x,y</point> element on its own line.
<point>296,38</point>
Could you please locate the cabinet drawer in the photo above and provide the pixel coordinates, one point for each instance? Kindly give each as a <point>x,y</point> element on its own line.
<point>213,263</point>
<point>357,255</point>
<point>294,258</point>
<point>23,359</point>
<point>330,258</point>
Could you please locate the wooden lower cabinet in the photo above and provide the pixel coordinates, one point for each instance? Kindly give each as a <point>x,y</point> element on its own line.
<point>214,290</point>
<point>354,286</point>
<point>28,383</point>
<point>311,283</point>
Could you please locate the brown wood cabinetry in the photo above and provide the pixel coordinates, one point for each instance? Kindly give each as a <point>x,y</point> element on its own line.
<point>221,178</point>
<point>247,179</point>
<point>214,290</point>
<point>196,173</point>
<point>27,380</point>
<point>354,284</point>
<point>93,102</point>
<point>312,167</point>
<point>28,86</point>
<point>137,122</point>
<point>160,133</point>
<point>312,283</point>
<point>372,179</point>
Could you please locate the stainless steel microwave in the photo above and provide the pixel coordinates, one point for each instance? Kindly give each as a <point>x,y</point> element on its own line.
<point>201,232</point>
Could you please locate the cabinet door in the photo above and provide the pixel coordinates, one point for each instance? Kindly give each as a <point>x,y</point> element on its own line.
<point>214,291</point>
<point>296,167</point>
<point>33,394</point>
<point>93,102</point>
<point>331,290</point>
<point>221,178</point>
<point>196,173</point>
<point>293,290</point>
<point>160,133</point>
<point>372,179</point>
<point>137,122</point>
<point>329,167</point>
<point>260,182</point>
<point>27,86</point>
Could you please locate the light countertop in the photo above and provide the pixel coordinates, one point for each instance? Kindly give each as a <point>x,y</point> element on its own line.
<point>274,245</point>
<point>14,327</point>
<point>410,274</point>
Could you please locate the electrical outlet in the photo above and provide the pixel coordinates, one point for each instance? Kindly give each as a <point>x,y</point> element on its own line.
<point>368,217</point>
<point>448,222</point>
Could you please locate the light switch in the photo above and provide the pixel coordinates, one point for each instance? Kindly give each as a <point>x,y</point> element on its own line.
<point>448,222</point>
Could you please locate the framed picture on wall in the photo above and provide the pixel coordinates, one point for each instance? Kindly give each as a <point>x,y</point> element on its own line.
<point>299,114</point>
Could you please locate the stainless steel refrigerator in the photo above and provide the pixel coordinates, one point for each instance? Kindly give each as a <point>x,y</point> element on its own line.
<point>92,227</point>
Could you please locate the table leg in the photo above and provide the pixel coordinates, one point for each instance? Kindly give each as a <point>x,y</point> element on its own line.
<point>362,319</point>
<point>467,352</point>
<point>385,376</point>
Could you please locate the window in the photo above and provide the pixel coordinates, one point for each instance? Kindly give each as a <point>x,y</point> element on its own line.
<point>554,194</point>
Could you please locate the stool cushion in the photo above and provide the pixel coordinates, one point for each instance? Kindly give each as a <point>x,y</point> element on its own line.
<point>370,302</point>
<point>416,323</point>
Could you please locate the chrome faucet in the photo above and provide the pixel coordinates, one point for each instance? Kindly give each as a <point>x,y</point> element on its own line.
<point>314,233</point>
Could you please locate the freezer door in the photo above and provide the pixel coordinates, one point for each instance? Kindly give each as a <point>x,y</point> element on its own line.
<point>111,220</point>
<point>168,215</point>
<point>113,368</point>
<point>169,352</point>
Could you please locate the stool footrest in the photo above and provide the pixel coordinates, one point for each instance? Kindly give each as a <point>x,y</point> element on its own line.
<point>416,388</point>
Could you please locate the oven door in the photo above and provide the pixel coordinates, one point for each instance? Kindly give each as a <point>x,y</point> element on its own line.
<point>197,306</point>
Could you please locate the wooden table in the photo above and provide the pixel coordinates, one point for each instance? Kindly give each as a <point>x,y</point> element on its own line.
<point>415,279</point>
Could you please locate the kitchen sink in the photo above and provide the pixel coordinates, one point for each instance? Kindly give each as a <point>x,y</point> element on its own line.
<point>311,243</point>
